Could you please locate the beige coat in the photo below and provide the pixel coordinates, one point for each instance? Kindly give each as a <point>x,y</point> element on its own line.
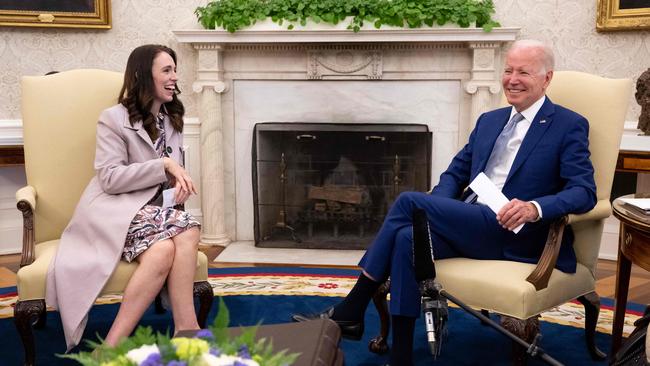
<point>128,172</point>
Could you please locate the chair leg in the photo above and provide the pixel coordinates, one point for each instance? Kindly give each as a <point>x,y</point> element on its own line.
<point>485,314</point>
<point>27,314</point>
<point>379,344</point>
<point>524,329</point>
<point>591,302</point>
<point>203,291</point>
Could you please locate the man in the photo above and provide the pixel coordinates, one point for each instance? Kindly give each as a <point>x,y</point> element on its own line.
<point>536,152</point>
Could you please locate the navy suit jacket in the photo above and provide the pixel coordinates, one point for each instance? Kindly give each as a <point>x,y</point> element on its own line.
<point>552,167</point>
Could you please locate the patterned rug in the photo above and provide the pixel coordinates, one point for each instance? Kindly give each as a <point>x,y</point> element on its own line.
<point>328,282</point>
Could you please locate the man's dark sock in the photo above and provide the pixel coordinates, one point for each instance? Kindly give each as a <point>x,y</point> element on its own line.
<point>401,350</point>
<point>353,307</point>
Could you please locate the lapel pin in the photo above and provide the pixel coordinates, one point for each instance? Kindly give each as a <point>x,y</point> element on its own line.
<point>542,121</point>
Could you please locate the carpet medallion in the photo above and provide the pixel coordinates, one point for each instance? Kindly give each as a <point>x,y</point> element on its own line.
<point>271,294</point>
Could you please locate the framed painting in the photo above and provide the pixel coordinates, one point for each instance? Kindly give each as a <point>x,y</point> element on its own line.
<point>615,15</point>
<point>56,13</point>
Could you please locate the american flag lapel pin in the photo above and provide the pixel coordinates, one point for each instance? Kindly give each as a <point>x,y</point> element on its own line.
<point>542,121</point>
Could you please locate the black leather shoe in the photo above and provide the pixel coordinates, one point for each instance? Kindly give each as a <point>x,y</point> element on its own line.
<point>350,329</point>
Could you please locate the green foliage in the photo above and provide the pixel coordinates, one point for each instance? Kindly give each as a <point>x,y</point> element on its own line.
<point>233,15</point>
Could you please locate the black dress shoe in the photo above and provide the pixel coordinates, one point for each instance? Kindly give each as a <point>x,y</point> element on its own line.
<point>350,329</point>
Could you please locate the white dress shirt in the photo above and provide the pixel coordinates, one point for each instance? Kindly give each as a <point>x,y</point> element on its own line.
<point>500,171</point>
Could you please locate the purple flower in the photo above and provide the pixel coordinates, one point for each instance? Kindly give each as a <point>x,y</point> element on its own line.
<point>215,352</point>
<point>176,363</point>
<point>237,363</point>
<point>204,333</point>
<point>153,359</point>
<point>244,352</point>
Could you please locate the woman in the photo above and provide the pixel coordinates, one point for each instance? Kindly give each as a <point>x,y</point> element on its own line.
<point>119,216</point>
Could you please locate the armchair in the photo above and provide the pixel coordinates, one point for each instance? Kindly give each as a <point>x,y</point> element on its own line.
<point>59,121</point>
<point>521,291</point>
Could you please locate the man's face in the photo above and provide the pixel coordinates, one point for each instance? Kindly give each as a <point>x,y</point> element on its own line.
<point>523,81</point>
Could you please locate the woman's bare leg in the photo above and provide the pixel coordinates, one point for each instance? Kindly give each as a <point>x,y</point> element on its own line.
<point>180,281</point>
<point>144,285</point>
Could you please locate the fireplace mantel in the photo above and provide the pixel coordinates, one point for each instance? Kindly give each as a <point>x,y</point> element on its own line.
<point>276,34</point>
<point>460,66</point>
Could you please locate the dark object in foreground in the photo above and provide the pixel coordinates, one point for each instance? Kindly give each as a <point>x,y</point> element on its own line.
<point>350,329</point>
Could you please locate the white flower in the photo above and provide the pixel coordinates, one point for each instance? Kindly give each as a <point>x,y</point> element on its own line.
<point>224,360</point>
<point>138,355</point>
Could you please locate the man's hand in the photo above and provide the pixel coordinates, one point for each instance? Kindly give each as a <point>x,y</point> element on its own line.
<point>515,213</point>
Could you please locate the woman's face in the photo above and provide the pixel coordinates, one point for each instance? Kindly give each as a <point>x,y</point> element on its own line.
<point>163,71</point>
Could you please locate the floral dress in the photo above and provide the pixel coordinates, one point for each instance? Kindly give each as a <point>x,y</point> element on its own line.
<point>154,223</point>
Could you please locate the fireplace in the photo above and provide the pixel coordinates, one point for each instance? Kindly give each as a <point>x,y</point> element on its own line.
<point>441,78</point>
<point>329,185</point>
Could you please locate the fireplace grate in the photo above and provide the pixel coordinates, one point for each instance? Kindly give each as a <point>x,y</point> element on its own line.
<point>320,185</point>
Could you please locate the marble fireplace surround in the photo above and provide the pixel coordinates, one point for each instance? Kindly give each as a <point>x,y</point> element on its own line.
<point>442,77</point>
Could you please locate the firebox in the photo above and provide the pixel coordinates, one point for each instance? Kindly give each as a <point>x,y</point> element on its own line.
<point>329,185</point>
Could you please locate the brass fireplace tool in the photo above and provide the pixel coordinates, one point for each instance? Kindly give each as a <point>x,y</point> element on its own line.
<point>281,224</point>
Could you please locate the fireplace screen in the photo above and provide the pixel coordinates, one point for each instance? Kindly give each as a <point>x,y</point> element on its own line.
<point>320,185</point>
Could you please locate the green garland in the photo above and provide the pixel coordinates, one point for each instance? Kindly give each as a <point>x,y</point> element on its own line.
<point>233,15</point>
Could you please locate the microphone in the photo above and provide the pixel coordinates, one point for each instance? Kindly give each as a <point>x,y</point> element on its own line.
<point>436,312</point>
<point>434,306</point>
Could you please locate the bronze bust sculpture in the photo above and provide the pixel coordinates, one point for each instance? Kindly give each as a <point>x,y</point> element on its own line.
<point>643,98</point>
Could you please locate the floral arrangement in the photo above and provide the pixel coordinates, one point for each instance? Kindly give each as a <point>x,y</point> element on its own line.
<point>208,347</point>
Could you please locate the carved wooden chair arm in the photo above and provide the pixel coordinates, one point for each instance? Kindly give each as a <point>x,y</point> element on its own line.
<point>26,203</point>
<point>540,276</point>
<point>542,273</point>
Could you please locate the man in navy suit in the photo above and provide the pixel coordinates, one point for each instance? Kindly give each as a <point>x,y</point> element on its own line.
<point>536,152</point>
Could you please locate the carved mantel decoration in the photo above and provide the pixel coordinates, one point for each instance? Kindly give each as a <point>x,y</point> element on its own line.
<point>467,57</point>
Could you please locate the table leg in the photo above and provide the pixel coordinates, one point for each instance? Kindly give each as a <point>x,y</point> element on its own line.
<point>623,268</point>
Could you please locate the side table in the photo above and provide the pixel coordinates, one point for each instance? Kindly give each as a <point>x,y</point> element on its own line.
<point>633,247</point>
<point>11,155</point>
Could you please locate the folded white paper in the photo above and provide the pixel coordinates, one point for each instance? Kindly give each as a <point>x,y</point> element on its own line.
<point>490,195</point>
<point>642,203</point>
<point>168,198</point>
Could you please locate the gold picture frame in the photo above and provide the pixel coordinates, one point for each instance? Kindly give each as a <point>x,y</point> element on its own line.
<point>620,15</point>
<point>56,13</point>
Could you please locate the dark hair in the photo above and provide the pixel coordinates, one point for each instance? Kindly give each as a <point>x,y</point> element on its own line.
<point>137,93</point>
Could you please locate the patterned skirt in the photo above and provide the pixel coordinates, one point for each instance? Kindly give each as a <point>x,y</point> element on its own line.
<point>152,224</point>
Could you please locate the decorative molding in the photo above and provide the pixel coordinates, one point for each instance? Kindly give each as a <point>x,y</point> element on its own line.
<point>11,132</point>
<point>284,47</point>
<point>344,62</point>
<point>200,38</point>
<point>471,87</point>
<point>216,85</point>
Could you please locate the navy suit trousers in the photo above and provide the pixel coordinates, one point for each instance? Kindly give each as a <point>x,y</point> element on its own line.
<point>458,229</point>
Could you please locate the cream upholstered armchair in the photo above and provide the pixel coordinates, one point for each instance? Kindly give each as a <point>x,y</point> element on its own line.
<point>521,291</point>
<point>59,122</point>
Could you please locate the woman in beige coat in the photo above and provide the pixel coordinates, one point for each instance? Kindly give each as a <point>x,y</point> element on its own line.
<point>121,215</point>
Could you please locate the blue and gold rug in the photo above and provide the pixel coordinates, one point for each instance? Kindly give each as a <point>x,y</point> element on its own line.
<point>271,294</point>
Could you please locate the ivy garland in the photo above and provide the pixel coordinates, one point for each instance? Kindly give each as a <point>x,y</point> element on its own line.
<point>233,15</point>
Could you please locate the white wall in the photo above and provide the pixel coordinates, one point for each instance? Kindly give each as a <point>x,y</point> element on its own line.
<point>569,25</point>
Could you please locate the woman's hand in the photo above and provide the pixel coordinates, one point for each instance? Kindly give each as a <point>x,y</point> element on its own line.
<point>183,183</point>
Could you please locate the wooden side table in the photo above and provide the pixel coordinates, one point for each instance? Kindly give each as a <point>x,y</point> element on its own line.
<point>11,155</point>
<point>633,247</point>
<point>633,161</point>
